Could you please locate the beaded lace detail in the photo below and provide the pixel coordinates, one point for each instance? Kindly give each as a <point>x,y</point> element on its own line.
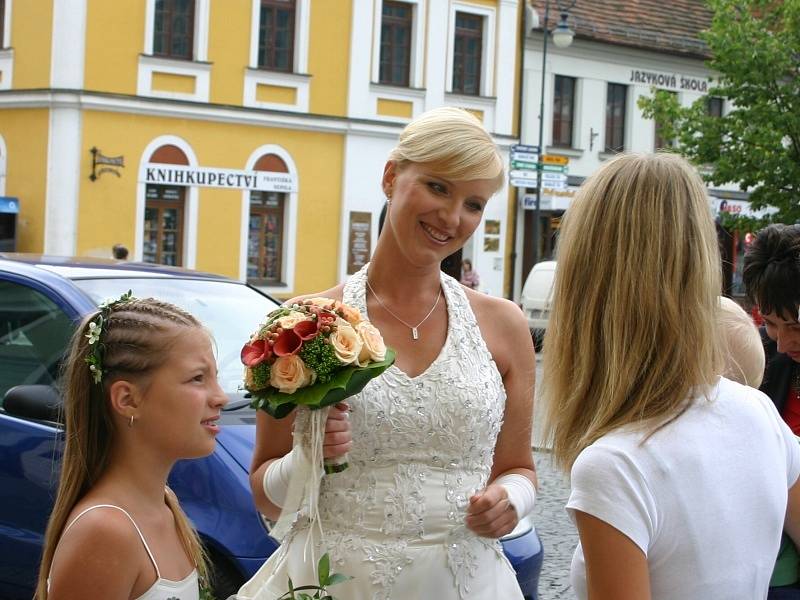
<point>418,443</point>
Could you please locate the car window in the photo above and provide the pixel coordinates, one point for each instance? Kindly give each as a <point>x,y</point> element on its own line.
<point>231,311</point>
<point>33,334</point>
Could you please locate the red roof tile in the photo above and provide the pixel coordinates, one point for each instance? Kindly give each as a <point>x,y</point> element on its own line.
<point>661,25</point>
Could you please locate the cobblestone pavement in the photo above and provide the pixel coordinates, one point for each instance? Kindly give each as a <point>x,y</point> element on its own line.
<point>558,534</point>
<point>556,531</point>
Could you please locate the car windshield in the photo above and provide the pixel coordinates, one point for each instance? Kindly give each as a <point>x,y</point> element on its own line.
<point>231,311</point>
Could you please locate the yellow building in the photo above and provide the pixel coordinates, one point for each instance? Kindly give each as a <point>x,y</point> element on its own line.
<point>242,137</point>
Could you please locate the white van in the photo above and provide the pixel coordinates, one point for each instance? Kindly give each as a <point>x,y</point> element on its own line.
<point>537,293</point>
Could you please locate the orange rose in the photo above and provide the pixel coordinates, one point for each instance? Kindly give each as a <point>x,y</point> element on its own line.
<point>373,349</point>
<point>346,342</point>
<point>288,373</point>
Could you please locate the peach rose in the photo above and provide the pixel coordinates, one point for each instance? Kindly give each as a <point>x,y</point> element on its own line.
<point>373,348</point>
<point>292,319</point>
<point>289,373</point>
<point>346,342</point>
<point>322,302</point>
<point>351,314</point>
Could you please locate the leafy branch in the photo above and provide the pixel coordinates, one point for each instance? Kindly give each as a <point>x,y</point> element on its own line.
<point>325,577</point>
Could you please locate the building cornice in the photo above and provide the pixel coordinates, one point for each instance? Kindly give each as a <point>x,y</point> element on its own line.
<point>202,111</point>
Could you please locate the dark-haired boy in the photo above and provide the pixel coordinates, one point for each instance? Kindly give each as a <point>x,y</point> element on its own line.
<point>772,283</point>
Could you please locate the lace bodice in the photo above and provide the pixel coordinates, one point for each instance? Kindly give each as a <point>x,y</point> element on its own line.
<point>421,447</point>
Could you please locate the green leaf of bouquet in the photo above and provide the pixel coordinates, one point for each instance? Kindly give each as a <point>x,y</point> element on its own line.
<point>345,383</point>
<point>338,578</point>
<point>324,569</point>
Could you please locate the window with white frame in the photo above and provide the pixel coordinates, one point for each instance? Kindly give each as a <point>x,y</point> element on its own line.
<point>176,29</point>
<point>398,39</point>
<point>616,104</point>
<point>467,55</point>
<point>164,214</point>
<point>396,43</point>
<point>563,110</point>
<point>267,248</point>
<point>173,63</point>
<point>471,50</point>
<point>173,29</point>
<point>276,32</point>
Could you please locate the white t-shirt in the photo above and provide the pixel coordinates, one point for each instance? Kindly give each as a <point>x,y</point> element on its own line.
<point>704,497</point>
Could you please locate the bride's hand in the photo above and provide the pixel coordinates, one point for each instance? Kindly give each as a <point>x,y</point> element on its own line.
<point>338,437</point>
<point>490,513</point>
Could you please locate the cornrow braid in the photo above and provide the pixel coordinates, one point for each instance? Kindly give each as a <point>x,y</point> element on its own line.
<point>135,337</point>
<point>160,309</point>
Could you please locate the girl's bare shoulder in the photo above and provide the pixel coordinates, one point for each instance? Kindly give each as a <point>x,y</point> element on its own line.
<point>99,542</point>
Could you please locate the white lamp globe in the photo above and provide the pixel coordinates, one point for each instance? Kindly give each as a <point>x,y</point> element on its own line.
<point>562,35</point>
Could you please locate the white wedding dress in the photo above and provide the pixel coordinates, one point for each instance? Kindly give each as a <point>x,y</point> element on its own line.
<point>394,520</point>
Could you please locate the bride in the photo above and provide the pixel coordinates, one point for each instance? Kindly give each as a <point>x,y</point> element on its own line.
<point>440,464</point>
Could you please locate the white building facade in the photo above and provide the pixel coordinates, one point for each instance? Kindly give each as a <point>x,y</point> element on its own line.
<point>378,93</point>
<point>591,92</point>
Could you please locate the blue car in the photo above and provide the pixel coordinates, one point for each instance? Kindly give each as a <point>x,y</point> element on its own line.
<point>42,298</point>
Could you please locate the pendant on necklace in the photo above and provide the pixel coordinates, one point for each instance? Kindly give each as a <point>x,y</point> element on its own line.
<point>414,333</point>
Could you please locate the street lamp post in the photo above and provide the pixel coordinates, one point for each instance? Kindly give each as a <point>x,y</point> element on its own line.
<point>562,37</point>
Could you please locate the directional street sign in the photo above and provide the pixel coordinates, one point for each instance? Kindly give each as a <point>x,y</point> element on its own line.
<point>522,175</point>
<point>524,164</point>
<point>548,176</point>
<point>526,156</point>
<point>553,159</point>
<point>554,168</point>
<point>556,186</point>
<point>522,182</point>
<point>525,148</point>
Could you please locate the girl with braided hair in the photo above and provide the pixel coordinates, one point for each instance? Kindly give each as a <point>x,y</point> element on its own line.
<point>140,393</point>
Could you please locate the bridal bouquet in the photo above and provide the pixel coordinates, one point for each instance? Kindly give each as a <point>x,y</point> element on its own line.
<point>313,353</point>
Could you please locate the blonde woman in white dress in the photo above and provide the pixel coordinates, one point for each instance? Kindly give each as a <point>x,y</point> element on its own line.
<point>440,462</point>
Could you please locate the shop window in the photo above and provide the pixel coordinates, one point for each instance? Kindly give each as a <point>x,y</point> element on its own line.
<point>616,98</point>
<point>163,225</point>
<point>563,111</point>
<point>395,62</point>
<point>164,214</point>
<point>467,53</point>
<point>276,35</point>
<point>173,31</point>
<point>266,229</point>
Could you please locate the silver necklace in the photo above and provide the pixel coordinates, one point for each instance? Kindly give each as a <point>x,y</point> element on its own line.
<point>414,328</point>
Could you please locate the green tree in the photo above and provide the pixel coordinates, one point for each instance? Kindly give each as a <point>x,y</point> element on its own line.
<point>755,50</point>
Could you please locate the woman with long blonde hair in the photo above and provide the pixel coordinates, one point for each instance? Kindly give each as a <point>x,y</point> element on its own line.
<point>140,393</point>
<point>679,477</point>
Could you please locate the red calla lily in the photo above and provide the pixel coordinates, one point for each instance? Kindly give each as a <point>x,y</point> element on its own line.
<point>307,329</point>
<point>256,352</point>
<point>288,343</point>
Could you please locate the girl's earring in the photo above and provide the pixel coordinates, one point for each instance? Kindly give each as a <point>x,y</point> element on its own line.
<point>130,423</point>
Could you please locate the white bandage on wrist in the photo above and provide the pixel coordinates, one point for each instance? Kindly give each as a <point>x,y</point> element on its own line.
<point>520,490</point>
<point>276,479</point>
